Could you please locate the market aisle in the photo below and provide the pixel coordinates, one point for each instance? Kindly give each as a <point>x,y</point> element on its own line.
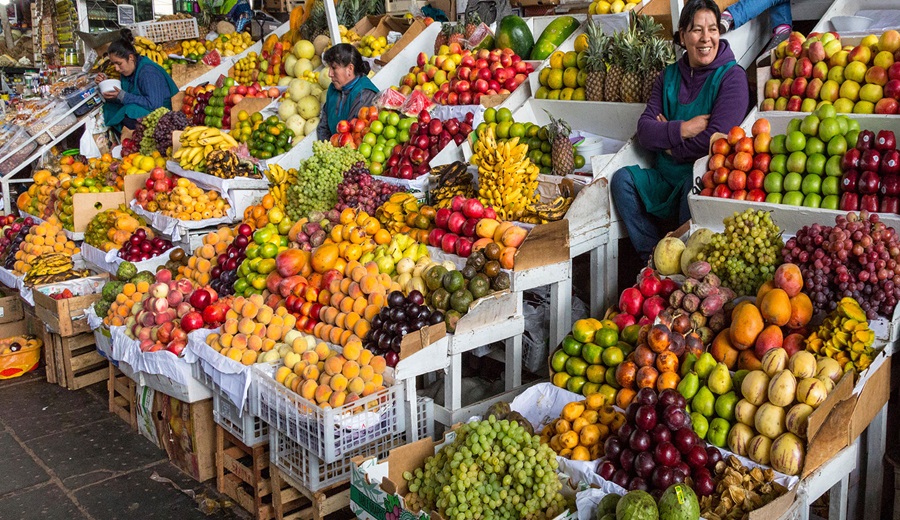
<point>66,456</point>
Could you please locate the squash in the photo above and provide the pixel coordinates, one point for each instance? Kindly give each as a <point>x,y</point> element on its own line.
<point>554,34</point>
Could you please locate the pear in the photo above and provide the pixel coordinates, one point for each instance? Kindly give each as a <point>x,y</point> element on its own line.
<point>719,380</point>
<point>704,365</point>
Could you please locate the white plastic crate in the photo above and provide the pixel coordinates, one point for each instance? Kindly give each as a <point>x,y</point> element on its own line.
<point>330,434</point>
<point>250,429</point>
<point>167,31</point>
<point>314,474</point>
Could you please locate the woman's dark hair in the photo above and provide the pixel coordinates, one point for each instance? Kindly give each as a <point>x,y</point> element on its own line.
<point>344,54</point>
<point>123,48</point>
<point>691,7</point>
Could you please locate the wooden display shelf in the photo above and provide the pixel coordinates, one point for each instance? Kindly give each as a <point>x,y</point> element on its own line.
<point>122,392</point>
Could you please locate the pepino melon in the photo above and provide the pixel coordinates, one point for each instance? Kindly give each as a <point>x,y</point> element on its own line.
<point>513,33</point>
<point>554,34</point>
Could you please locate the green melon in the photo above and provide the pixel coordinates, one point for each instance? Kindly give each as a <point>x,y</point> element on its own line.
<point>637,505</point>
<point>553,35</point>
<point>513,33</point>
<point>679,503</point>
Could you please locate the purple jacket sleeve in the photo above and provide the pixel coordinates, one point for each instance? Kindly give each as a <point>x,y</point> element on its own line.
<point>654,135</point>
<point>728,111</point>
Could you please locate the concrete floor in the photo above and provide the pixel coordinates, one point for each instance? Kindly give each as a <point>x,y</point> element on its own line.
<point>65,456</point>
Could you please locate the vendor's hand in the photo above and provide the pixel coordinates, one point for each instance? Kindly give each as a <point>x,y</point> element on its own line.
<point>111,95</point>
<point>692,127</point>
<point>100,77</point>
<point>662,119</point>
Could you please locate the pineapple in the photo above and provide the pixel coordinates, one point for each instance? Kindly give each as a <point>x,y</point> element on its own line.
<point>630,91</point>
<point>457,34</point>
<point>443,37</point>
<point>472,23</point>
<point>646,27</point>
<point>562,153</point>
<point>660,55</point>
<point>595,61</point>
<point>616,52</point>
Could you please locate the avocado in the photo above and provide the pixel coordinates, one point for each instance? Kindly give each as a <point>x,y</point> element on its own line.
<point>433,276</point>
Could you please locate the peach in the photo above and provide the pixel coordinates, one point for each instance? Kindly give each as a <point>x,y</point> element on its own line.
<point>225,339</point>
<point>239,342</point>
<point>368,284</point>
<point>354,291</point>
<point>276,320</point>
<point>323,351</point>
<point>308,389</point>
<point>238,304</point>
<point>268,344</point>
<point>333,366</point>
<point>281,311</point>
<point>359,305</point>
<point>336,300</point>
<point>350,369</point>
<point>264,315</point>
<point>289,379</point>
<point>324,297</point>
<point>376,299</point>
<point>346,335</point>
<point>351,320</point>
<point>366,372</point>
<point>329,315</point>
<point>230,326</point>
<point>377,380</point>
<point>378,364</point>
<point>337,399</point>
<point>335,335</point>
<point>339,320</point>
<point>361,328</point>
<point>325,379</point>
<point>386,281</point>
<point>256,299</point>
<point>365,357</point>
<point>299,345</point>
<point>335,286</point>
<point>246,326</point>
<point>323,393</point>
<point>310,357</point>
<point>250,310</point>
<point>254,343</point>
<point>325,332</point>
<point>352,351</point>
<point>288,320</point>
<point>357,273</point>
<point>368,389</point>
<point>311,372</point>
<point>317,329</point>
<point>295,384</point>
<point>789,278</point>
<point>248,357</point>
<point>282,373</point>
<point>372,268</point>
<point>345,285</point>
<point>338,382</point>
<point>299,367</point>
<point>353,397</point>
<point>259,329</point>
<point>274,332</point>
<point>356,385</point>
<point>235,354</point>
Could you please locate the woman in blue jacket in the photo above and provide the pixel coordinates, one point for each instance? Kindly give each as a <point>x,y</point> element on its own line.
<point>349,91</point>
<point>145,86</point>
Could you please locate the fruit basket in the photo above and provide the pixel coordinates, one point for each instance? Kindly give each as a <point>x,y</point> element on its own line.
<point>14,364</point>
<point>333,433</point>
<point>171,30</point>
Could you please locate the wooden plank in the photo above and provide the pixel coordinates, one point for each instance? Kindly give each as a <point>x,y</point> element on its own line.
<point>79,341</point>
<point>85,361</point>
<point>88,379</point>
<point>49,358</point>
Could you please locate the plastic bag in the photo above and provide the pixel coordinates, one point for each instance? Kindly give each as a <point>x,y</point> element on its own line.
<point>87,146</point>
<point>536,338</point>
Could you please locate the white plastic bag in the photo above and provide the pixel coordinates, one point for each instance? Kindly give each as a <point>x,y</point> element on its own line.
<point>87,145</point>
<point>535,340</point>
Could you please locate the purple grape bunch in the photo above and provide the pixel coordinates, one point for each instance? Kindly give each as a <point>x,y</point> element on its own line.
<point>362,191</point>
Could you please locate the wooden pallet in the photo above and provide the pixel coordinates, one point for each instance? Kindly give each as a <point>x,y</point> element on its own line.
<point>317,505</point>
<point>243,474</point>
<point>122,396</point>
<point>76,362</point>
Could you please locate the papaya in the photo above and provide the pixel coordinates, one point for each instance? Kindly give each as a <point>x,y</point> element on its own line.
<point>552,36</point>
<point>513,33</point>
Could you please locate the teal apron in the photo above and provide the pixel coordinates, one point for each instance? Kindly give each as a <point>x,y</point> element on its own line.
<point>337,107</point>
<point>114,112</point>
<point>660,188</point>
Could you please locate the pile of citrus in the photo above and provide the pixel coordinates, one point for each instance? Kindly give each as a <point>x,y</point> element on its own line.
<point>586,362</point>
<point>269,137</point>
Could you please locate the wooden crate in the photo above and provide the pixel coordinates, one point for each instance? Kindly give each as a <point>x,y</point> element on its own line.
<point>243,474</point>
<point>65,317</point>
<point>286,492</point>
<point>76,362</point>
<point>122,396</point>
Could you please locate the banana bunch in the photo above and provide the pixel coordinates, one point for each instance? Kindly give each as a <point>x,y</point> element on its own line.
<point>544,212</point>
<point>392,214</point>
<point>449,181</point>
<point>53,267</point>
<point>506,176</point>
<point>280,179</point>
<point>226,165</point>
<point>845,336</point>
<point>147,48</point>
<point>197,143</point>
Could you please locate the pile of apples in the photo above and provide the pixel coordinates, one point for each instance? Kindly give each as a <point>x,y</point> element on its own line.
<point>428,136</point>
<point>457,76</point>
<point>142,246</point>
<point>201,108</point>
<point>871,171</point>
<point>643,302</point>
<point>738,164</point>
<point>158,182</point>
<point>864,79</point>
<point>456,229</point>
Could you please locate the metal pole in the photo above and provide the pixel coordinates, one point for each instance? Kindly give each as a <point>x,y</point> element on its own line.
<point>331,17</point>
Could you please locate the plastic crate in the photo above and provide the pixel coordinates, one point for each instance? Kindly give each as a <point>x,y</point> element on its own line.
<point>167,31</point>
<point>250,429</point>
<point>330,434</point>
<point>313,473</point>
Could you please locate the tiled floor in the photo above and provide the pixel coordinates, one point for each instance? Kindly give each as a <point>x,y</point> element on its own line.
<point>65,456</point>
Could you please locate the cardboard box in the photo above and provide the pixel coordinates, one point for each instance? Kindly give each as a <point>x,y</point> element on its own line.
<point>148,406</point>
<point>87,205</point>
<point>187,433</point>
<point>661,11</point>
<point>367,24</point>
<point>448,6</point>
<point>397,24</point>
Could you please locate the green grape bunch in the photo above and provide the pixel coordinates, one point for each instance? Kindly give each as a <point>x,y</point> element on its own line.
<point>746,255</point>
<point>148,143</point>
<point>493,469</point>
<point>318,178</point>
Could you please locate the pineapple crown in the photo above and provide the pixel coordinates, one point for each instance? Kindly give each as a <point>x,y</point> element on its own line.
<point>646,27</point>
<point>557,127</point>
<point>473,18</point>
<point>598,47</point>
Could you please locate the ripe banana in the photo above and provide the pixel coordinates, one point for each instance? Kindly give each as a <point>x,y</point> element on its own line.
<point>507,178</point>
<point>198,142</point>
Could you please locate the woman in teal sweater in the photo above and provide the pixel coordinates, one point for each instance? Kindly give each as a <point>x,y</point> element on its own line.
<point>349,91</point>
<point>145,86</point>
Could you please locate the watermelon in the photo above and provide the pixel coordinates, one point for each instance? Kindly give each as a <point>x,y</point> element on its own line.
<point>513,33</point>
<point>637,505</point>
<point>679,503</point>
<point>553,35</point>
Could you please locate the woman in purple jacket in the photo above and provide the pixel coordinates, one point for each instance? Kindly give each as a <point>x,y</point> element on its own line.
<point>704,92</point>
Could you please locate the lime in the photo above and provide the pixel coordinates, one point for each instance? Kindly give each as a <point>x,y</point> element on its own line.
<point>517,130</point>
<point>504,115</point>
<point>490,115</point>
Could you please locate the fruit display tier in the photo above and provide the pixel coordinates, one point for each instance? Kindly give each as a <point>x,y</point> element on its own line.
<point>216,183</point>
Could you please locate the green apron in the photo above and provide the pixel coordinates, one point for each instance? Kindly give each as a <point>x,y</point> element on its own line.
<point>660,188</point>
<point>114,112</point>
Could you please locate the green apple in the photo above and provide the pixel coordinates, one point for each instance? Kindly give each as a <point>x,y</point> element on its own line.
<point>837,145</point>
<point>808,105</point>
<point>718,432</point>
<point>815,163</point>
<point>689,386</point>
<point>824,112</point>
<point>795,140</point>
<point>773,182</point>
<point>700,424</point>
<point>829,127</point>
<point>792,182</point>
<point>843,105</point>
<point>864,107</point>
<point>704,402</point>
<point>774,198</point>
<point>852,135</point>
<point>831,186</point>
<point>814,145</point>
<point>778,163</point>
<point>793,126</point>
<point>810,125</point>
<point>812,200</point>
<point>811,184</point>
<point>833,166</point>
<point>844,122</point>
<point>792,198</point>
<point>725,405</point>
<point>852,126</point>
<point>830,202</point>
<point>796,162</point>
<point>776,145</point>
